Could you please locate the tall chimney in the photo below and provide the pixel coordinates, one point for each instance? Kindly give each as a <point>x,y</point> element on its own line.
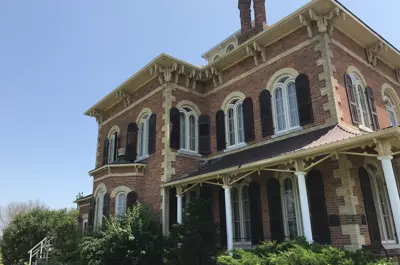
<point>245,19</point>
<point>259,14</point>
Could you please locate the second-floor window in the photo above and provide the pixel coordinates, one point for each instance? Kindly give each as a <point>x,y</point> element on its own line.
<point>188,130</point>
<point>234,123</point>
<point>391,110</point>
<point>143,137</point>
<point>360,99</point>
<point>113,146</point>
<point>285,104</point>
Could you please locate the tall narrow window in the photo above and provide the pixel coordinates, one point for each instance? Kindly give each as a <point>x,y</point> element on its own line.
<point>290,208</point>
<point>234,123</point>
<point>360,100</point>
<point>188,130</point>
<point>390,108</point>
<point>99,208</point>
<point>143,137</point>
<point>241,215</point>
<point>285,104</point>
<point>120,205</point>
<point>113,146</point>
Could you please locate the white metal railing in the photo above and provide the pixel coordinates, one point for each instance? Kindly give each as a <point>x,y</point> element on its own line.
<point>41,251</point>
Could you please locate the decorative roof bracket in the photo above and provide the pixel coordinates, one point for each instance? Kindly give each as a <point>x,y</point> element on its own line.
<point>256,50</point>
<point>374,52</point>
<point>325,23</point>
<point>98,115</point>
<point>215,75</point>
<point>124,97</point>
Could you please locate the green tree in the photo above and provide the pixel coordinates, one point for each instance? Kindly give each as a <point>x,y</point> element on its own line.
<point>28,229</point>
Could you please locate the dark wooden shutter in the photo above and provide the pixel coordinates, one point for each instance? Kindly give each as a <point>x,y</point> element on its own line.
<point>275,210</point>
<point>152,133</point>
<point>220,125</point>
<point>106,205</point>
<point>222,218</point>
<point>351,98</point>
<point>204,134</point>
<point>372,108</point>
<point>369,207</point>
<point>173,207</point>
<point>304,103</point>
<point>248,120</point>
<point>92,208</point>
<point>174,140</point>
<point>318,211</point>
<point>115,146</point>
<point>106,145</point>
<point>257,233</point>
<point>206,195</point>
<point>131,199</point>
<point>131,142</point>
<point>267,123</point>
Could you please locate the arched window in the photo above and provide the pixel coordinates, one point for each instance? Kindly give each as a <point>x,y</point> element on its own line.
<point>391,110</point>
<point>230,48</point>
<point>241,214</point>
<point>120,205</point>
<point>98,218</point>
<point>360,100</point>
<point>290,206</point>
<point>234,123</point>
<point>382,205</point>
<point>113,145</point>
<point>143,137</point>
<point>285,104</point>
<point>188,130</point>
<point>216,58</point>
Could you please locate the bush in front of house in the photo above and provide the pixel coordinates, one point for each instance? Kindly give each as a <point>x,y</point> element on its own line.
<point>299,252</point>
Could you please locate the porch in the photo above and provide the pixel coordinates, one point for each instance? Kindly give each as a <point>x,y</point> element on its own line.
<point>332,186</point>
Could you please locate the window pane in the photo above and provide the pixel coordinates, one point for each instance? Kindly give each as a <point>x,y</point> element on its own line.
<point>292,104</point>
<point>246,213</point>
<point>192,133</point>
<point>391,113</point>
<point>385,207</point>
<point>182,131</point>
<point>121,205</point>
<point>280,110</point>
<point>111,147</point>
<point>141,139</point>
<point>236,215</point>
<point>290,208</point>
<point>362,107</point>
<point>231,127</point>
<point>240,123</point>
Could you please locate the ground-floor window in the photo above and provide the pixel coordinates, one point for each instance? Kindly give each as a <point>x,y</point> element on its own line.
<point>290,207</point>
<point>99,209</point>
<point>241,214</point>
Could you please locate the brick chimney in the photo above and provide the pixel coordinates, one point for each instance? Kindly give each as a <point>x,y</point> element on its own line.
<point>247,29</point>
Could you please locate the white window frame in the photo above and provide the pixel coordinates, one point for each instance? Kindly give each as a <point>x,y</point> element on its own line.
<point>111,147</point>
<point>360,98</point>
<point>117,206</point>
<point>85,221</point>
<point>188,112</point>
<point>98,218</point>
<point>242,242</point>
<point>375,175</point>
<point>216,58</point>
<point>299,225</point>
<point>143,141</point>
<point>287,115</point>
<point>390,108</point>
<point>235,107</point>
<point>230,48</point>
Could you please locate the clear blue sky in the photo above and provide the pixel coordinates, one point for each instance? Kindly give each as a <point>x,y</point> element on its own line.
<point>57,58</point>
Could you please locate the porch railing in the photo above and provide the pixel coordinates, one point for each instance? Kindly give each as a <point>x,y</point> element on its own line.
<point>41,251</point>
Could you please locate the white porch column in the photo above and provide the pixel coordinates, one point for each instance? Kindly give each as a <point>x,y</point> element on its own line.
<point>228,212</point>
<point>305,211</point>
<point>179,208</point>
<point>392,190</point>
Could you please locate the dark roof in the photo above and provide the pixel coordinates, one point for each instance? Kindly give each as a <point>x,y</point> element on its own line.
<point>289,145</point>
<point>82,199</point>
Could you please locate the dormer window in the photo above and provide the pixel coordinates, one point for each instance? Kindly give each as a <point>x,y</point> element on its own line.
<point>230,48</point>
<point>216,58</point>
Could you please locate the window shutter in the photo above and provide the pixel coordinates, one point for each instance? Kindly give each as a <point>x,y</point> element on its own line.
<point>106,145</point>
<point>304,103</point>
<point>372,108</point>
<point>275,210</point>
<point>222,218</point>
<point>116,146</point>
<point>248,120</point>
<point>131,199</point>
<point>267,123</point>
<point>173,207</point>
<point>318,211</point>
<point>204,134</point>
<point>131,142</point>
<point>257,234</point>
<point>174,123</point>
<point>152,134</point>
<point>351,98</point>
<point>106,205</point>
<point>220,125</point>
<point>92,207</point>
<point>369,206</point>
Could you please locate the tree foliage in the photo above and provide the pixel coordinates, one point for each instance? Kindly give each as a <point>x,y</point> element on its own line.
<point>28,229</point>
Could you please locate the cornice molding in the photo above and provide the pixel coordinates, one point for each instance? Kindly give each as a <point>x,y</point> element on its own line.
<point>256,50</point>
<point>325,23</point>
<point>124,97</point>
<point>98,115</point>
<point>374,52</point>
<point>214,74</point>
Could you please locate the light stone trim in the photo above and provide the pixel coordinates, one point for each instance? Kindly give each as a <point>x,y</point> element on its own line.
<point>351,53</point>
<point>398,74</point>
<point>119,189</point>
<point>236,94</point>
<point>284,71</point>
<point>100,186</point>
<point>331,84</point>
<point>113,129</point>
<point>145,110</point>
<point>111,175</point>
<point>188,103</point>
<point>353,69</point>
<point>374,52</point>
<point>346,190</point>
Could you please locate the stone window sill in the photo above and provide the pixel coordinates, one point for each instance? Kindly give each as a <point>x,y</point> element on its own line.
<point>296,129</point>
<point>142,158</point>
<point>234,147</point>
<point>188,152</point>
